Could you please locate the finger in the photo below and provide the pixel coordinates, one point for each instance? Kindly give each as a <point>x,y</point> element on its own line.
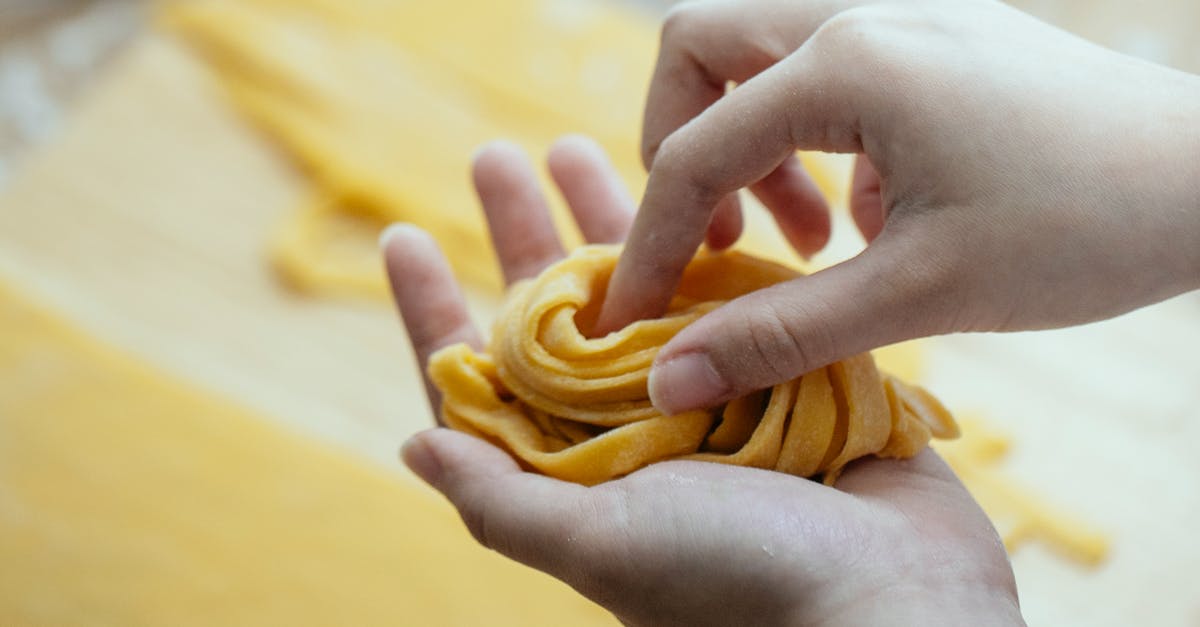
<point>427,296</point>
<point>897,289</point>
<point>705,45</point>
<point>737,141</point>
<point>595,193</point>
<point>530,518</point>
<point>518,217</point>
<point>866,199</point>
<point>797,205</point>
<point>726,225</point>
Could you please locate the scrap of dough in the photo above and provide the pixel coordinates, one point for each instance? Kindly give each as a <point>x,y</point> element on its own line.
<point>130,498</point>
<point>577,408</point>
<point>383,103</point>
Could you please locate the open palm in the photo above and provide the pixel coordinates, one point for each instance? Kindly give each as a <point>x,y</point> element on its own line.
<point>689,543</point>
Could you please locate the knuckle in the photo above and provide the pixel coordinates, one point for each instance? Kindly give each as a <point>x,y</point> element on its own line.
<point>651,149</point>
<point>670,153</point>
<point>868,25</point>
<point>880,39</point>
<point>676,162</point>
<point>848,28</point>
<point>477,507</point>
<point>774,342</point>
<point>685,19</point>
<point>475,519</point>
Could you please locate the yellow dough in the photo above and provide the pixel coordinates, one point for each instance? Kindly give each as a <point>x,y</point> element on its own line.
<point>382,104</point>
<point>129,498</point>
<point>577,408</point>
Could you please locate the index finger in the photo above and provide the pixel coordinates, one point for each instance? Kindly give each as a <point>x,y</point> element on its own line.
<point>739,140</point>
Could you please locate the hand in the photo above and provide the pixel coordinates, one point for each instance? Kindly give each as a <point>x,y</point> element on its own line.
<point>690,543</point>
<point>1011,177</point>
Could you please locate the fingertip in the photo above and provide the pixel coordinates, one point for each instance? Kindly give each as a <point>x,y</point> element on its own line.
<point>495,160</point>
<point>409,250</point>
<point>797,205</point>
<point>573,156</point>
<point>868,217</point>
<point>522,232</point>
<point>813,240</point>
<point>722,239</point>
<point>574,144</point>
<point>726,225</point>
<point>400,233</point>
<point>593,190</point>
<point>866,199</point>
<point>490,150</point>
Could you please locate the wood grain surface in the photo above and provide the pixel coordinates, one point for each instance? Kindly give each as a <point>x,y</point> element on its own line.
<point>146,223</point>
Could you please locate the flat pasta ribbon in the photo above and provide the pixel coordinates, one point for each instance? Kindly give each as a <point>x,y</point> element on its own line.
<point>577,408</point>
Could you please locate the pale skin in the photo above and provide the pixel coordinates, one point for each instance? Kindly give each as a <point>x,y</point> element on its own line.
<point>1010,177</point>
<point>689,543</point>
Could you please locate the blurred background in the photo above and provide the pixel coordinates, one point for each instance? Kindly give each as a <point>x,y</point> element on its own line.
<point>50,49</point>
<point>202,387</point>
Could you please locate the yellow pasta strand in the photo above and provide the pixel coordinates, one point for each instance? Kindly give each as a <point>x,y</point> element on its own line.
<point>541,366</point>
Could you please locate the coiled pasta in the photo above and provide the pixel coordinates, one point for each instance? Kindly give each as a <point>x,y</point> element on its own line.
<point>577,408</point>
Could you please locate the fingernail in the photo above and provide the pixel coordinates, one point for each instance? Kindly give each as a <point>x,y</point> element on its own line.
<point>688,381</point>
<point>421,460</point>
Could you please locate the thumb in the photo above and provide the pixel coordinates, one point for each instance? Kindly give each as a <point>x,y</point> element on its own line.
<point>897,289</point>
<point>528,517</point>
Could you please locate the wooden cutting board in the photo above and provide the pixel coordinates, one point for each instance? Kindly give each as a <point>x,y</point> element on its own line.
<point>146,223</point>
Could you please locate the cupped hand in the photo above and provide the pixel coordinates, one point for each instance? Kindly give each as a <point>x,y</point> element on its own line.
<point>689,543</point>
<point>1010,177</point>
